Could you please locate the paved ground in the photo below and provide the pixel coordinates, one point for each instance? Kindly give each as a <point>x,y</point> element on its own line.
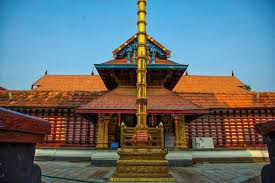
<point>60,172</point>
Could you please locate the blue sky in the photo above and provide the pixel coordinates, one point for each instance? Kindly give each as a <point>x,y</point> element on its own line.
<point>69,36</point>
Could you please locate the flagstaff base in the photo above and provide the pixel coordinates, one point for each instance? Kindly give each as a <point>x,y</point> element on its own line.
<point>142,165</point>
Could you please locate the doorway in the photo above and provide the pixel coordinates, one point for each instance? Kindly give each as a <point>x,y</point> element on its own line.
<point>169,132</point>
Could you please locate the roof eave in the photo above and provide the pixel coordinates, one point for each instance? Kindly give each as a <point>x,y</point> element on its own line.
<point>134,66</point>
<point>149,111</point>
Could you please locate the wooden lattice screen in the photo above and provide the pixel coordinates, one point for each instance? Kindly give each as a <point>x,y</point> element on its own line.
<point>229,128</point>
<point>67,128</point>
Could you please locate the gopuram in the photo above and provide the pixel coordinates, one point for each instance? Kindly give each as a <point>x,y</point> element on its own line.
<point>142,153</point>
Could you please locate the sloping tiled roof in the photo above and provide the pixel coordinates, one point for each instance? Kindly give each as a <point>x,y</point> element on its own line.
<point>222,92</point>
<point>124,98</point>
<point>148,37</point>
<point>209,84</point>
<point>70,83</point>
<point>237,100</point>
<point>33,98</point>
<point>158,61</point>
<point>1,88</point>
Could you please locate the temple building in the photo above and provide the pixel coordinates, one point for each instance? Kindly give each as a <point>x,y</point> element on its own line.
<point>87,110</point>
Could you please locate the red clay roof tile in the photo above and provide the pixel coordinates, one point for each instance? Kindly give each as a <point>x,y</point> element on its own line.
<point>209,84</point>
<point>70,83</point>
<point>221,92</point>
<point>124,98</point>
<point>37,98</point>
<point>237,100</point>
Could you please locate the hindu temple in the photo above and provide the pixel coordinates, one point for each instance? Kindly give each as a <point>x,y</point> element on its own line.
<point>87,111</point>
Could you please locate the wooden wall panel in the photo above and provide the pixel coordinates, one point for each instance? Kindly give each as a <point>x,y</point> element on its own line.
<point>230,128</point>
<point>67,128</point>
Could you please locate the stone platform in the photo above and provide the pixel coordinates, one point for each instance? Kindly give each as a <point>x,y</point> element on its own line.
<point>176,158</point>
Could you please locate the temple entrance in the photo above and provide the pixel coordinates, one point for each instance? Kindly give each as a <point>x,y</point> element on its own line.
<point>129,120</point>
<point>169,132</point>
<point>114,132</point>
<point>169,128</point>
<point>169,137</point>
<point>153,120</point>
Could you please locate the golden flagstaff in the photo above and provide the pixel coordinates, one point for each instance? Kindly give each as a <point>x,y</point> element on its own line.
<point>141,68</point>
<point>142,153</point>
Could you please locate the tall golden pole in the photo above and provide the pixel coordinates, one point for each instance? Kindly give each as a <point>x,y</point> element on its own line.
<point>141,68</point>
<point>141,161</point>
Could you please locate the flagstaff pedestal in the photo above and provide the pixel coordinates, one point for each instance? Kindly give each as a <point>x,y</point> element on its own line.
<point>142,156</point>
<point>142,165</point>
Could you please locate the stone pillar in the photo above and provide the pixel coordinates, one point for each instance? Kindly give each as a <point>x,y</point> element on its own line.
<point>180,134</point>
<point>102,132</point>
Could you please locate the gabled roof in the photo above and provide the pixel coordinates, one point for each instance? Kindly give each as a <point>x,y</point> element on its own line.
<point>37,98</point>
<point>1,88</point>
<point>70,83</point>
<point>209,84</point>
<point>148,38</point>
<point>123,99</point>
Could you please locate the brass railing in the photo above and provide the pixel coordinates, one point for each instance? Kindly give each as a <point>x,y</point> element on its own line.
<point>128,140</point>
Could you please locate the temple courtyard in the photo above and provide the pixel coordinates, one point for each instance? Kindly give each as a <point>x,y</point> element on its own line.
<point>61,171</point>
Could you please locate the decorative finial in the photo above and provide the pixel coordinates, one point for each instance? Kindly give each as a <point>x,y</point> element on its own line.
<point>233,73</point>
<point>93,71</point>
<point>186,73</point>
<point>46,72</point>
<point>10,95</point>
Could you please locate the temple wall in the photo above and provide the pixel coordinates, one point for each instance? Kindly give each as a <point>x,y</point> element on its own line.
<point>67,128</point>
<point>229,127</point>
